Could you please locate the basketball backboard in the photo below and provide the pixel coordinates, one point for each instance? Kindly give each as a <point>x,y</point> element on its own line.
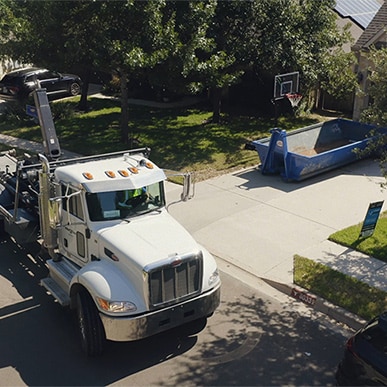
<point>285,84</point>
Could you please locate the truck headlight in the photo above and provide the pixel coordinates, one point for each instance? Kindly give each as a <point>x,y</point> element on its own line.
<point>214,277</point>
<point>116,306</point>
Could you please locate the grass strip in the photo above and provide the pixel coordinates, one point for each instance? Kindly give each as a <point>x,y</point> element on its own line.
<point>338,288</point>
<point>374,245</point>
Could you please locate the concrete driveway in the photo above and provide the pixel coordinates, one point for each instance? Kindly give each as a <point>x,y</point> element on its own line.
<point>259,222</point>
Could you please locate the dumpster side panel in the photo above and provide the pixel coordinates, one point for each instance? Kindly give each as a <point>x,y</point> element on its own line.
<point>302,167</point>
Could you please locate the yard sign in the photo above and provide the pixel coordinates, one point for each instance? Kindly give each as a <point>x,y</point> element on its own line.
<point>371,219</point>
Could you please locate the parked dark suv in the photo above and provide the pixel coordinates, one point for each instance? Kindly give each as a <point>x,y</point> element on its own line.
<point>19,84</point>
<point>365,356</point>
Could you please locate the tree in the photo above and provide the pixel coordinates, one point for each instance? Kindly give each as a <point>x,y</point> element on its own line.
<point>137,37</point>
<point>376,113</point>
<point>191,23</point>
<point>234,35</point>
<point>302,35</point>
<point>7,24</point>
<point>192,45</point>
<point>86,41</point>
<point>68,38</point>
<point>272,37</point>
<point>339,79</point>
<point>120,36</point>
<point>42,42</point>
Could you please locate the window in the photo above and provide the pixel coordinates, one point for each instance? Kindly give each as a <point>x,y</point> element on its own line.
<point>121,204</point>
<point>47,75</point>
<point>72,204</point>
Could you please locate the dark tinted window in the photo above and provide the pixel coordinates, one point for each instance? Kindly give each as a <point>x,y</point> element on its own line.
<point>31,78</point>
<point>12,79</point>
<point>47,75</point>
<point>376,336</point>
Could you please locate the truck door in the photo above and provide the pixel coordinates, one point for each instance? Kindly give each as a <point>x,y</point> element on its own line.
<point>72,236</point>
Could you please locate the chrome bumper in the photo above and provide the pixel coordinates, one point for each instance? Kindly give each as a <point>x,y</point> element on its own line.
<point>139,327</point>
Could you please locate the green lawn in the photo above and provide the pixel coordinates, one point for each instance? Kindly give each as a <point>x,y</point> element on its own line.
<point>179,138</point>
<point>339,288</point>
<point>375,245</point>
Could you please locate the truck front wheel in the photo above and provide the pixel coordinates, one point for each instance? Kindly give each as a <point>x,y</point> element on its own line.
<point>92,333</point>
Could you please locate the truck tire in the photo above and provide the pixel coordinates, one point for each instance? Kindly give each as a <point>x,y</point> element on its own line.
<point>92,333</point>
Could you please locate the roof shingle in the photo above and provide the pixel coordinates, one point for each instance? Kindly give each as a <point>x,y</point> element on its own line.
<point>376,26</point>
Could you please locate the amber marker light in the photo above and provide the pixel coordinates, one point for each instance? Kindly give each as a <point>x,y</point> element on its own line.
<point>110,174</point>
<point>146,163</point>
<point>133,170</point>
<point>123,172</point>
<point>88,175</point>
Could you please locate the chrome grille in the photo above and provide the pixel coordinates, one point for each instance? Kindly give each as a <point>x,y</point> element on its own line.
<point>175,279</point>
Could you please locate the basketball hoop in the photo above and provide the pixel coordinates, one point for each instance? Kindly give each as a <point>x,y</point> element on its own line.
<point>294,98</point>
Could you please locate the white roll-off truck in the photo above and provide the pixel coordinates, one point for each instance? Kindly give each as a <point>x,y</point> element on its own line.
<point>115,255</point>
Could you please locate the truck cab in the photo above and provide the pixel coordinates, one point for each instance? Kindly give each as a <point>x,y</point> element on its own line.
<point>118,247</point>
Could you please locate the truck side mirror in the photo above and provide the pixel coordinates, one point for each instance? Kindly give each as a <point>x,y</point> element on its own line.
<point>188,187</point>
<point>55,212</point>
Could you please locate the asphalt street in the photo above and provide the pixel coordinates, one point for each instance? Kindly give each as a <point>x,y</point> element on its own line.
<point>252,339</point>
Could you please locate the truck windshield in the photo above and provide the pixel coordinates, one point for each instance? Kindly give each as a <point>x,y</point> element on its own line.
<point>111,205</point>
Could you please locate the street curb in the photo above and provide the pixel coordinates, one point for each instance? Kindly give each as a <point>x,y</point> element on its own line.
<point>295,292</point>
<point>320,304</point>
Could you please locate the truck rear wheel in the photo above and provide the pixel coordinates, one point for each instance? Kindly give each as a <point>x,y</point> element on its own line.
<point>92,333</point>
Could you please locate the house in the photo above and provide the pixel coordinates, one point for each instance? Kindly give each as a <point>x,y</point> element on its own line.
<point>373,36</point>
<point>358,14</point>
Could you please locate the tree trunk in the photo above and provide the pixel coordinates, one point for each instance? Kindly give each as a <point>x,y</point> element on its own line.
<point>216,104</point>
<point>124,108</point>
<point>83,105</point>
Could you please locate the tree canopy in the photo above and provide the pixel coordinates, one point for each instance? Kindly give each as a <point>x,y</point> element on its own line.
<point>376,112</point>
<point>182,45</point>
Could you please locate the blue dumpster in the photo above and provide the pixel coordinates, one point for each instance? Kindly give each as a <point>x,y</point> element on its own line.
<point>314,149</point>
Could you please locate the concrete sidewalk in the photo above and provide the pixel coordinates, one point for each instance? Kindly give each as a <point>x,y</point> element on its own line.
<point>30,146</point>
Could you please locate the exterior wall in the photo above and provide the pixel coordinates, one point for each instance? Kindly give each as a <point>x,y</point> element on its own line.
<point>355,30</point>
<point>329,102</point>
